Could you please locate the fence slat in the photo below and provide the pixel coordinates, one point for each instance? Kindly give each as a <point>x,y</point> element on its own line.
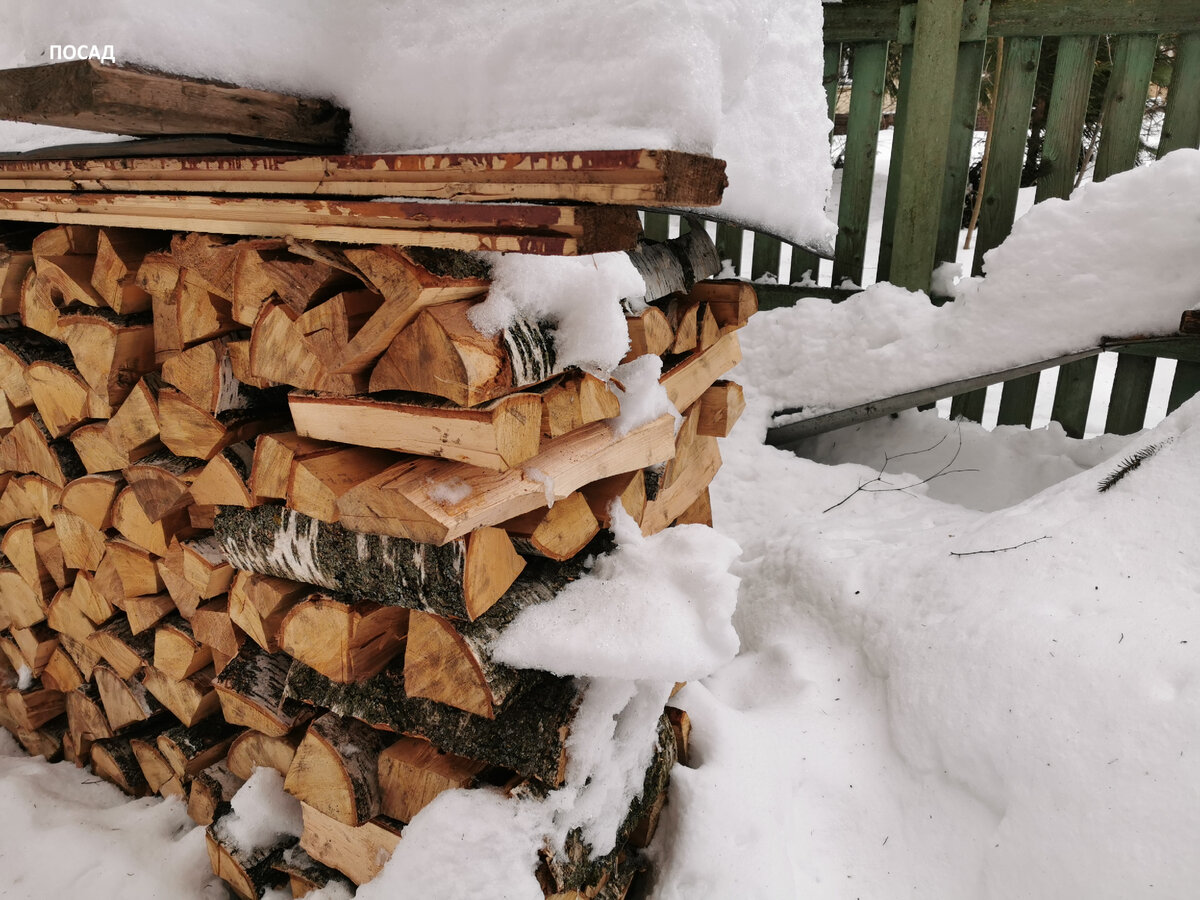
<point>656,226</point>
<point>1121,123</point>
<point>1181,128</point>
<point>764,258</point>
<point>1073,71</point>
<point>888,228</point>
<point>969,405</point>
<point>958,154</point>
<point>862,139</point>
<point>1017,399</point>
<point>729,245</point>
<point>926,139</point>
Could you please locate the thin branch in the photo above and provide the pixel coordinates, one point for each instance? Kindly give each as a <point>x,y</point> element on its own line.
<point>866,488</point>
<point>1001,549</point>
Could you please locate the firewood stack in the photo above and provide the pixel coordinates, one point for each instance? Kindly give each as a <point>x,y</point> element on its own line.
<point>267,501</point>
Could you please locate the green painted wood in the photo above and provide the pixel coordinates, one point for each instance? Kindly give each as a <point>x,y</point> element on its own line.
<point>1010,127</point>
<point>888,225</point>
<point>1124,107</point>
<point>764,256</point>
<point>1017,400</point>
<point>1184,386</point>
<point>774,296</point>
<point>804,262</point>
<point>862,140</point>
<point>1125,104</point>
<point>1073,70</point>
<point>969,406</point>
<point>656,226</point>
<point>829,78</point>
<point>879,20</point>
<point>729,244</point>
<point>1181,128</point>
<point>1073,396</point>
<point>1130,394</point>
<point>1181,125</point>
<point>958,153</point>
<point>926,141</point>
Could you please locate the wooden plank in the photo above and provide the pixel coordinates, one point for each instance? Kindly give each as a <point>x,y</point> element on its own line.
<point>1181,126</point>
<point>729,244</point>
<point>1017,401</point>
<point>627,177</point>
<point>1074,67</point>
<point>129,100</point>
<point>774,296</point>
<point>524,228</point>
<point>891,198</point>
<point>765,256</point>
<point>656,226</point>
<point>879,20</point>
<point>969,406</point>
<point>862,139</point>
<point>1124,107</point>
<point>958,152</point>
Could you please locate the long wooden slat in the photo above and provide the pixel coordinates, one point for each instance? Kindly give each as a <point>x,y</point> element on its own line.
<point>879,20</point>
<point>1124,108</point>
<point>1074,67</point>
<point>128,100</point>
<point>524,228</point>
<point>862,139</point>
<point>656,226</point>
<point>729,245</point>
<point>1181,128</point>
<point>628,177</point>
<point>958,152</point>
<point>892,195</point>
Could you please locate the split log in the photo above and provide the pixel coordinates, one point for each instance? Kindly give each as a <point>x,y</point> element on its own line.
<point>47,741</point>
<point>214,628</point>
<point>258,604</point>
<point>39,311</point>
<point>210,794</point>
<point>12,653</point>
<point>330,325</point>
<point>190,750</point>
<point>274,456</point>
<point>688,379</point>
<point>96,452</point>
<point>91,601</point>
<point>574,402</point>
<point>111,352</point>
<point>460,579</point>
<point>436,501</point>
<point>443,354</point>
<point>211,260</point>
<point>177,653</point>
<point>85,717</point>
<point>649,333</point>
<point>82,545</point>
<point>249,873</point>
<point>30,448</point>
<point>335,770</point>
<point>306,875</point>
<point>317,481</point>
<point>251,691</point>
<point>128,100</point>
<point>13,268</point>
<point>190,700</point>
<point>344,641</point>
<point>42,495</point>
<point>499,435</point>
<point>162,481</point>
<point>63,399</point>
<point>675,265</point>
<point>359,852</point>
<point>239,360</point>
<point>82,655</point>
<point>128,569</point>
<point>47,547</point>
<point>720,408</point>
<point>694,325</point>
<point>205,567</point>
<point>119,254</point>
<point>224,479</point>
<point>155,768</point>
<point>183,592</point>
<point>36,644</point>
<point>296,280</point>
<point>113,760</point>
<point>558,532</point>
<point>19,348</point>
<point>280,352</point>
<point>188,430</point>
<point>147,611</point>
<point>36,705</point>
<point>18,546</point>
<point>133,429</point>
<point>61,673</point>
<point>68,278</point>
<point>126,652</point>
<point>697,460</point>
<point>126,701</point>
<point>251,749</point>
<point>21,605</point>
<point>412,772</point>
<point>732,302</point>
<point>528,737</point>
<point>204,374</point>
<point>190,314</point>
<point>699,513</point>
<point>155,535</point>
<point>65,617</point>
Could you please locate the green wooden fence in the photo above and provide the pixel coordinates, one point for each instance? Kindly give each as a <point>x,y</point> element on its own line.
<point>942,46</point>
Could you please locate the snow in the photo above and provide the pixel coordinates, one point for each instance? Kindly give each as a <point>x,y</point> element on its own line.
<point>263,813</point>
<point>24,678</point>
<point>655,608</point>
<point>643,399</point>
<point>445,493</point>
<point>481,77</point>
<point>1062,281</point>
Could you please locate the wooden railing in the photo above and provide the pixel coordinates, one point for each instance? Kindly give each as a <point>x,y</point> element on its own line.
<point>942,45</point>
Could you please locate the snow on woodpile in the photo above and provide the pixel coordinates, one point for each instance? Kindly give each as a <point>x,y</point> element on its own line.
<point>1119,259</point>
<point>737,79</point>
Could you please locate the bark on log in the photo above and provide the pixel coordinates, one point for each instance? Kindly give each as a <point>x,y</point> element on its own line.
<point>347,642</point>
<point>335,770</point>
<point>251,690</point>
<point>211,792</point>
<point>674,265</point>
<point>249,873</point>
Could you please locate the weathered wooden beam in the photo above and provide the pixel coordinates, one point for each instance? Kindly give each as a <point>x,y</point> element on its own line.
<point>522,228</point>
<point>627,177</point>
<point>129,100</point>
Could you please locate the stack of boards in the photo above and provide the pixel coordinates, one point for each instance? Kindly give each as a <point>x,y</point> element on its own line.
<point>266,501</point>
